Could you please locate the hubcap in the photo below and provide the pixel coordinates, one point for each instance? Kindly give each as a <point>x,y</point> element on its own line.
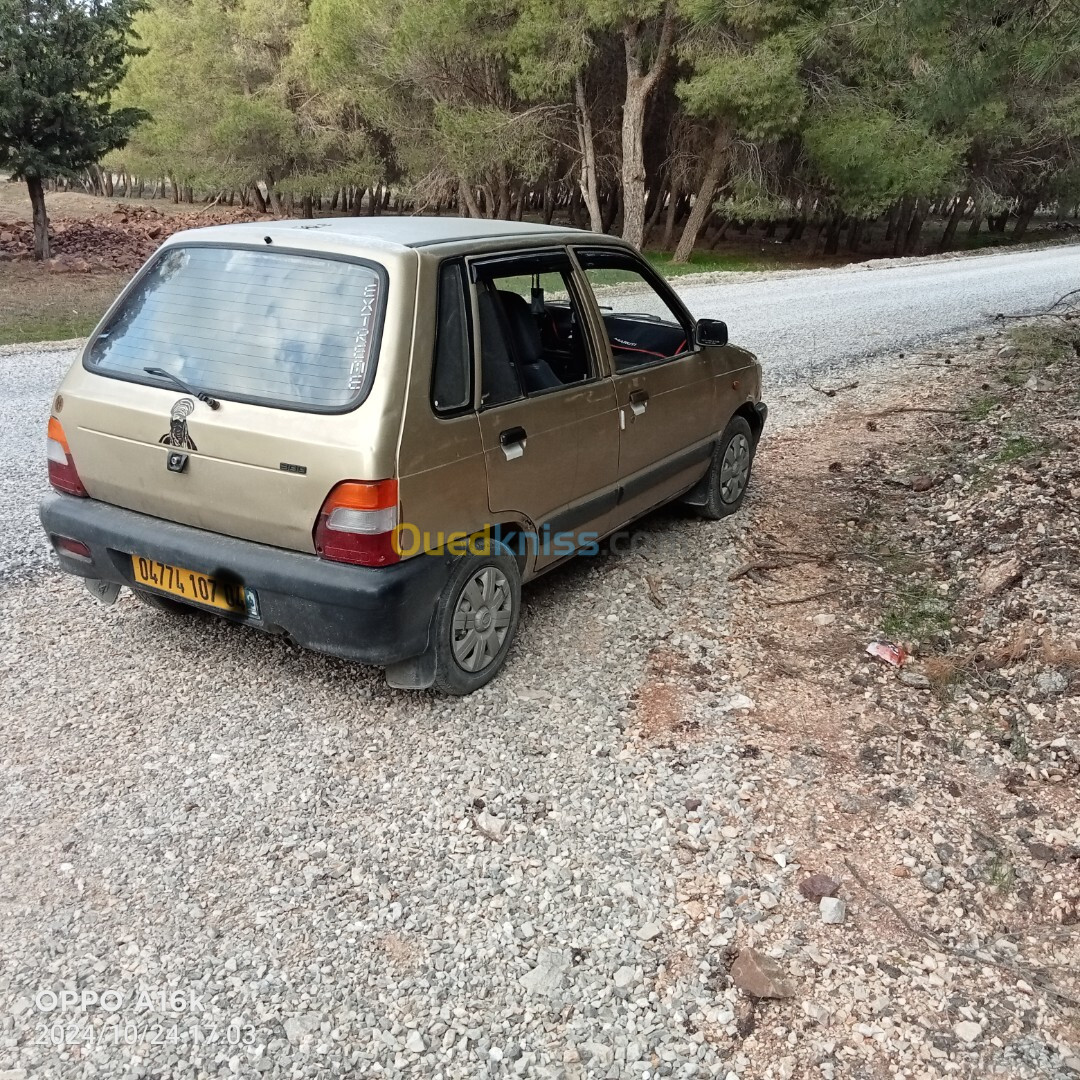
<point>482,618</point>
<point>735,469</point>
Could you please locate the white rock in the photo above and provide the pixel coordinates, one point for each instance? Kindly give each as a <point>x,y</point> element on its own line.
<point>824,619</point>
<point>414,1042</point>
<point>735,703</point>
<point>833,909</point>
<point>649,931</point>
<point>624,977</point>
<point>967,1030</point>
<point>548,975</point>
<point>767,900</point>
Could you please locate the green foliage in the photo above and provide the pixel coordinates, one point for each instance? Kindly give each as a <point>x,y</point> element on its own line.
<point>869,158</point>
<point>60,62</point>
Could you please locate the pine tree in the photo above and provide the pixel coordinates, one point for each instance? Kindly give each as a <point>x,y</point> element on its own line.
<point>60,61</point>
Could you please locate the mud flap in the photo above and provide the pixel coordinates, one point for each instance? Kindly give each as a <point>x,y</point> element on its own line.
<point>416,673</point>
<point>105,591</point>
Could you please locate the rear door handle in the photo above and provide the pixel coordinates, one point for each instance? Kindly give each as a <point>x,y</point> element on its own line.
<point>512,441</point>
<point>639,399</point>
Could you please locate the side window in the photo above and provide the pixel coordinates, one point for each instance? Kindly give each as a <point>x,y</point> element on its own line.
<point>531,335</point>
<point>642,325</point>
<point>451,379</point>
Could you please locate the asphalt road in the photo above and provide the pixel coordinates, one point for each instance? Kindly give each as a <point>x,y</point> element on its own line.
<point>801,325</point>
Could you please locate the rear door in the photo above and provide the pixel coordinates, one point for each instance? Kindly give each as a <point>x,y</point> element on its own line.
<point>664,385</point>
<point>548,414</point>
<point>284,343</point>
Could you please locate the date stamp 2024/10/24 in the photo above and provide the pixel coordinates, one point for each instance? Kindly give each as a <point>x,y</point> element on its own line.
<point>87,1017</point>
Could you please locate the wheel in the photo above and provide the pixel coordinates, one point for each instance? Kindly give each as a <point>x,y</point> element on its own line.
<point>475,621</point>
<point>165,603</point>
<point>729,473</point>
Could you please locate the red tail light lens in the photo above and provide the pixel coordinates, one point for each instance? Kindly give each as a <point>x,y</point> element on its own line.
<point>358,523</point>
<point>62,473</point>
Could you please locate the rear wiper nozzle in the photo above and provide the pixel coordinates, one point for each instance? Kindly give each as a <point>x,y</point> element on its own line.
<point>202,395</point>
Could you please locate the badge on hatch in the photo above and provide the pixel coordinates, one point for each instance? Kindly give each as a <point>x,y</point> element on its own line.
<point>177,461</point>
<point>177,435</point>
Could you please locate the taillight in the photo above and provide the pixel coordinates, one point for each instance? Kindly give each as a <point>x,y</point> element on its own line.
<point>358,523</point>
<point>62,474</point>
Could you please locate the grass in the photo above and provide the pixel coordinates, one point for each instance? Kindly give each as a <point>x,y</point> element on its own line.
<point>979,408</point>
<point>917,612</point>
<point>1016,448</point>
<point>706,262</point>
<point>36,305</point>
<point>1000,873</point>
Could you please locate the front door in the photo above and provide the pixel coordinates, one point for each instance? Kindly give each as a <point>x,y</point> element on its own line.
<point>549,417</point>
<point>664,385</point>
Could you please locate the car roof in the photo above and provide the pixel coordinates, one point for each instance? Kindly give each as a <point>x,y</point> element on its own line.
<point>348,233</point>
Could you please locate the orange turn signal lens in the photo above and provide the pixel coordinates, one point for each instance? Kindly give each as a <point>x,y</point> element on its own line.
<point>358,495</point>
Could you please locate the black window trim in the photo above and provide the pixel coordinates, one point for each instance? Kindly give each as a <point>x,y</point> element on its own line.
<point>662,288</point>
<point>485,267</point>
<point>359,397</point>
<point>470,405</point>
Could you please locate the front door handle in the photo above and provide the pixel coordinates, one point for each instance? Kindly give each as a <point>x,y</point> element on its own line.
<point>512,441</point>
<point>639,399</point>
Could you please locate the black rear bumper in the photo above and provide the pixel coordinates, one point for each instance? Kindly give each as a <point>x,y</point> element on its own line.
<point>377,615</point>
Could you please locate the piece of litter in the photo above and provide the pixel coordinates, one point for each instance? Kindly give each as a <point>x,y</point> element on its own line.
<point>887,651</point>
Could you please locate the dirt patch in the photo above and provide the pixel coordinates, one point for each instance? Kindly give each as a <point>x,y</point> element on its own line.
<point>945,518</point>
<point>38,306</point>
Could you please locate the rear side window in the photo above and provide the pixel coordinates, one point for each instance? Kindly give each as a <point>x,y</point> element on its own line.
<point>451,385</point>
<point>267,327</point>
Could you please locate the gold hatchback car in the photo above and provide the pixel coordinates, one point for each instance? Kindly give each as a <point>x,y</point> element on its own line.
<point>367,434</point>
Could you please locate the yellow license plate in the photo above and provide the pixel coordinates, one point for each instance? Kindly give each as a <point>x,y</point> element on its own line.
<point>194,587</point>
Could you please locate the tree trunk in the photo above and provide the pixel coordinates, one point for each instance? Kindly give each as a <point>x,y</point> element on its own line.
<point>855,234</point>
<point>915,227</point>
<point>639,87</point>
<point>549,202</point>
<point>611,209</point>
<point>590,193</point>
<point>703,200</point>
<point>669,217</point>
<point>832,235</point>
<point>958,209</point>
<point>41,218</point>
<point>1025,212</point>
<point>469,199</point>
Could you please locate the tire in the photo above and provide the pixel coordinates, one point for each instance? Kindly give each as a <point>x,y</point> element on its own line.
<point>165,603</point>
<point>487,585</point>
<point>729,472</point>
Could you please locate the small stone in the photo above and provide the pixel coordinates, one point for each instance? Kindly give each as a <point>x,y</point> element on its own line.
<point>825,618</point>
<point>832,910</point>
<point>550,970</point>
<point>414,1042</point>
<point>649,931</point>
<point>494,827</point>
<point>967,1030</point>
<point>934,880</point>
<point>297,1028</point>
<point>760,976</point>
<point>815,886</point>
<point>915,680</point>
<point>624,978</point>
<point>1000,576</point>
<point>1051,682</point>
<point>735,703</point>
<point>1042,852</point>
<point>922,483</point>
<point>692,804</point>
<point>767,900</point>
<point>217,759</point>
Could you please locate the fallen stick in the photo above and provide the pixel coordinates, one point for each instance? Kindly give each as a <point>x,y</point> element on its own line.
<point>802,599</point>
<point>1028,974</point>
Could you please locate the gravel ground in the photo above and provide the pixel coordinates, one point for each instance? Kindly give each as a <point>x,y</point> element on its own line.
<point>350,881</point>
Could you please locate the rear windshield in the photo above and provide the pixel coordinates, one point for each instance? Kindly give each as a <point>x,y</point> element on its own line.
<point>268,327</point>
